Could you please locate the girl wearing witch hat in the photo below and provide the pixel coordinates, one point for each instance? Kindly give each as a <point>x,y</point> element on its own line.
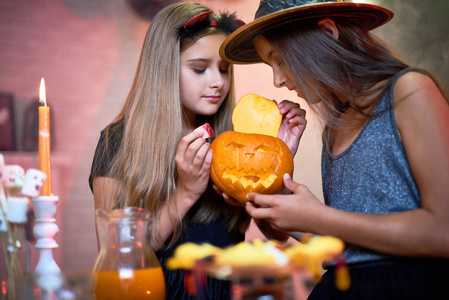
<point>385,156</point>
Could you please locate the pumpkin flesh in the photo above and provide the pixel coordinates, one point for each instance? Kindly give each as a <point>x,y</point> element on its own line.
<point>256,114</point>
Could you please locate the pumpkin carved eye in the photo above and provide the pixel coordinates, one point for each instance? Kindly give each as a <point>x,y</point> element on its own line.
<point>265,149</point>
<point>233,146</point>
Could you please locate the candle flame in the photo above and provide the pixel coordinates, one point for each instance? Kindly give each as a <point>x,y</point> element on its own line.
<point>42,98</point>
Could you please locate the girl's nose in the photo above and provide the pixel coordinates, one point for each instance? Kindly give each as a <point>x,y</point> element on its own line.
<point>217,80</point>
<point>279,79</point>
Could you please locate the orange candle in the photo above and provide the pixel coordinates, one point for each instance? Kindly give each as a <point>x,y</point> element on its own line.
<point>44,140</point>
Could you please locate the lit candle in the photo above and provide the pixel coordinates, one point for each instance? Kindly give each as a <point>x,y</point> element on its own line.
<point>44,140</point>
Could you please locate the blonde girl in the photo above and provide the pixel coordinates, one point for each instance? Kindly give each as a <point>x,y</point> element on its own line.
<point>151,157</point>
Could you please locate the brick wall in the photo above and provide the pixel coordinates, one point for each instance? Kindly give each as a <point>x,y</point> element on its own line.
<point>87,53</point>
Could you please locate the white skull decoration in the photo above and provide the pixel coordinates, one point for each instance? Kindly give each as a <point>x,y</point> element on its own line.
<point>34,180</point>
<point>14,177</point>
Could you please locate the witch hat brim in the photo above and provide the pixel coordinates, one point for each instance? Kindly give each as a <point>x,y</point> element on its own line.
<point>238,47</point>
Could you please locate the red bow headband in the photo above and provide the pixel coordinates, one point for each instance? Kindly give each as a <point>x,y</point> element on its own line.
<point>226,22</point>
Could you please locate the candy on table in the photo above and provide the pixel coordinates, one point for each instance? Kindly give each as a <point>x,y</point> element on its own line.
<point>257,253</point>
<point>187,254</point>
<point>318,248</point>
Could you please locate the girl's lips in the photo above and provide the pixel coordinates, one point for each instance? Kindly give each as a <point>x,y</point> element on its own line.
<point>212,98</point>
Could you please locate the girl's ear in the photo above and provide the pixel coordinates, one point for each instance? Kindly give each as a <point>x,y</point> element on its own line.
<point>329,25</point>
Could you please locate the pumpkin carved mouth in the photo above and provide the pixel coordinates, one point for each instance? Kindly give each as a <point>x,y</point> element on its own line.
<point>264,179</point>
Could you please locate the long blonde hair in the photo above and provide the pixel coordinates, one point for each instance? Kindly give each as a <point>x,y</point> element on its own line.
<point>152,120</point>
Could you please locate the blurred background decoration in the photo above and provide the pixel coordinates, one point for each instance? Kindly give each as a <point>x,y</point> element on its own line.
<point>88,52</point>
<point>147,9</point>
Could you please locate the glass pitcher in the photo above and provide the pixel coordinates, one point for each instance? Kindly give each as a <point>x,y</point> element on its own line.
<point>126,266</point>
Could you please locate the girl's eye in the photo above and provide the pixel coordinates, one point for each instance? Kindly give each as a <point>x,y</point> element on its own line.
<point>199,70</point>
<point>224,67</point>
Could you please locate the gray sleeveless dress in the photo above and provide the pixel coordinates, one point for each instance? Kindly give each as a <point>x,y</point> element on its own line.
<point>373,176</point>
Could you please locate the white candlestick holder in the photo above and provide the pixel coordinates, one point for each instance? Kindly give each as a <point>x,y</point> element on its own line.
<point>48,273</point>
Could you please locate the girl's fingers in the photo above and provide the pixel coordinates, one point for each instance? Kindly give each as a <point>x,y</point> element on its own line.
<point>287,105</point>
<point>289,183</point>
<point>185,143</point>
<point>199,145</point>
<point>256,211</point>
<point>201,154</point>
<point>259,199</point>
<point>296,113</point>
<point>231,200</point>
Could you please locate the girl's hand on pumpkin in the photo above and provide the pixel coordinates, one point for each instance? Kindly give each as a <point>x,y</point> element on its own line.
<point>227,198</point>
<point>298,211</point>
<point>293,124</point>
<point>193,160</point>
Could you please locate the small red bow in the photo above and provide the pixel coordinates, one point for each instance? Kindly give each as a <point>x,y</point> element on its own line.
<point>198,19</point>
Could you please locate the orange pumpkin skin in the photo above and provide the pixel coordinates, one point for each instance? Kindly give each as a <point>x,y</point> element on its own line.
<point>243,163</point>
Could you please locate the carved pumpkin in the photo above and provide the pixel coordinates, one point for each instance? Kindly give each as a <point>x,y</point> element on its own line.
<point>245,162</point>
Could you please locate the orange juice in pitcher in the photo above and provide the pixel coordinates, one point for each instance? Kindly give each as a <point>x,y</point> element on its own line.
<point>126,267</point>
<point>142,284</point>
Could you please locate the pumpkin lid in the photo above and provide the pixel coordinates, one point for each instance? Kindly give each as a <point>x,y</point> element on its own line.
<point>256,114</point>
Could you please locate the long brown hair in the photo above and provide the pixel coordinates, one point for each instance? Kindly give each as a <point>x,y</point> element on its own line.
<point>152,120</point>
<point>357,65</point>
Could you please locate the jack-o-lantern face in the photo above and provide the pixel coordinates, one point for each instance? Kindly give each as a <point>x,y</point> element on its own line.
<point>243,163</point>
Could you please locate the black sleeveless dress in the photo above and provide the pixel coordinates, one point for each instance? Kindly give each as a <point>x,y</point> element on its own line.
<point>215,233</point>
